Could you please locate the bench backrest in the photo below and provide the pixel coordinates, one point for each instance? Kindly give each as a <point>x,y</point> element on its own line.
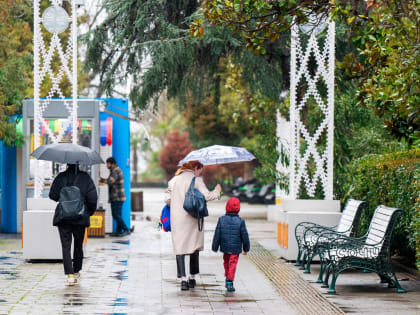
<point>382,225</point>
<point>351,215</point>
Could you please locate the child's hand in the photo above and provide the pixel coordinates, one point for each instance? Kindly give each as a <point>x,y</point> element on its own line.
<point>245,253</point>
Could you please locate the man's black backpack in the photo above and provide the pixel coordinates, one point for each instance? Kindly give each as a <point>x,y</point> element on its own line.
<point>71,205</point>
<point>195,204</point>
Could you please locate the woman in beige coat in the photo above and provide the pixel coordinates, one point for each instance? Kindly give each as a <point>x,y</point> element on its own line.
<point>186,238</point>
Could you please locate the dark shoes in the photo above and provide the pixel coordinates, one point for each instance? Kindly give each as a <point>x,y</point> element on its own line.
<point>191,283</point>
<point>132,229</point>
<point>124,233</point>
<point>184,286</point>
<point>230,287</point>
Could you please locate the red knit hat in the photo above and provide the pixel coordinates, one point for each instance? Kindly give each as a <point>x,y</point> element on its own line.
<point>233,205</point>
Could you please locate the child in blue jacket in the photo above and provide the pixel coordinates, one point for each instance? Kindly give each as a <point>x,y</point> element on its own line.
<point>232,237</point>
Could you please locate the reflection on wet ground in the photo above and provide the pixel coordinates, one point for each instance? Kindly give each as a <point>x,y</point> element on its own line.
<point>120,302</point>
<point>123,242</point>
<point>121,275</point>
<point>137,275</point>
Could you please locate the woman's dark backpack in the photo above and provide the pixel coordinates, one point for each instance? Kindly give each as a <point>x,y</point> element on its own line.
<point>195,204</point>
<point>71,205</point>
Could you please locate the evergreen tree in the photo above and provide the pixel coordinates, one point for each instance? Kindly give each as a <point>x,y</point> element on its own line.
<point>150,41</point>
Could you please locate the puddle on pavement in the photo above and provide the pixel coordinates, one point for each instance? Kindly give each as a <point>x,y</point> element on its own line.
<point>123,262</point>
<point>233,300</point>
<point>207,285</point>
<point>122,242</point>
<point>15,253</point>
<point>120,275</point>
<point>120,302</point>
<point>3,301</point>
<point>74,302</point>
<point>12,275</point>
<point>4,257</point>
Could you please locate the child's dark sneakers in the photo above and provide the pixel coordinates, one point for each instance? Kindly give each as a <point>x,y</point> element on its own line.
<point>184,286</point>
<point>191,283</point>
<point>230,287</point>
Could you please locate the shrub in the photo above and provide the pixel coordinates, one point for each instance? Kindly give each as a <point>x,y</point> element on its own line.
<point>392,180</point>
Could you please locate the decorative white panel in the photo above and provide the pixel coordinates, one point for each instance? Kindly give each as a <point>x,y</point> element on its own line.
<point>312,65</point>
<point>54,20</point>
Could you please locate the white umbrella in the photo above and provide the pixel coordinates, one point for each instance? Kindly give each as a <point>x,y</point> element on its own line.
<point>218,154</point>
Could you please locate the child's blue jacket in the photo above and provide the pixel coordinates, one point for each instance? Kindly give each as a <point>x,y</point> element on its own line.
<point>231,235</point>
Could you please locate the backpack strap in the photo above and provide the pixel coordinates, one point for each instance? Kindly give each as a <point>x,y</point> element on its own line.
<point>74,180</point>
<point>200,223</point>
<point>192,185</point>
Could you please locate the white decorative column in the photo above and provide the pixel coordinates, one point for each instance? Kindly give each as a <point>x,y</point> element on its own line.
<point>304,83</point>
<point>55,19</point>
<point>311,86</point>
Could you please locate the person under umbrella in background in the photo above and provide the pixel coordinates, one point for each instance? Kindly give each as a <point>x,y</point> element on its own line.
<point>187,239</point>
<point>116,191</point>
<point>75,228</point>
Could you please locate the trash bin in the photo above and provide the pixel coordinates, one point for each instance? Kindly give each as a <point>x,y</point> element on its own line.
<point>97,224</point>
<point>137,201</point>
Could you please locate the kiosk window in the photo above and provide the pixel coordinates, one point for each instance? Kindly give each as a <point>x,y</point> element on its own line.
<point>57,126</point>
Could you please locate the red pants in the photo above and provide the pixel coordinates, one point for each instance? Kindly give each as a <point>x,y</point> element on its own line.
<point>230,262</point>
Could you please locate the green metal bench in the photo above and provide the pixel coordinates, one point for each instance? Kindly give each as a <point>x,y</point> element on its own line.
<point>307,233</point>
<point>369,253</point>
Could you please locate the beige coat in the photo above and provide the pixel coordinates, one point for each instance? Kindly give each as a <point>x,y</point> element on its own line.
<point>186,238</point>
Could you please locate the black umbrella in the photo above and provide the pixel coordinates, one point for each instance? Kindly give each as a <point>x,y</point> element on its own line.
<point>68,153</point>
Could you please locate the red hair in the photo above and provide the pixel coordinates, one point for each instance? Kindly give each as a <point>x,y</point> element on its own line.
<point>192,165</point>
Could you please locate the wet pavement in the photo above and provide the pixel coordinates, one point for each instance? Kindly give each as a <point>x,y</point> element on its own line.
<point>137,275</point>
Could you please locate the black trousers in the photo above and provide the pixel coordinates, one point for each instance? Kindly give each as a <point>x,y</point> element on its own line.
<point>194,264</point>
<point>67,233</point>
<point>116,208</point>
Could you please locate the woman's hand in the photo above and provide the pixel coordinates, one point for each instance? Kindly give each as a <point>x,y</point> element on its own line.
<point>218,188</point>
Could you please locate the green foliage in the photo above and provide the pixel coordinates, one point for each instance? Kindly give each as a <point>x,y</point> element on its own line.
<point>256,21</point>
<point>149,40</point>
<point>392,180</point>
<point>357,132</point>
<point>15,65</point>
<point>388,64</point>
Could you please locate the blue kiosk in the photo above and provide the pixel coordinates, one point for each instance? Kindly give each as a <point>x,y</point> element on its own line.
<point>16,169</point>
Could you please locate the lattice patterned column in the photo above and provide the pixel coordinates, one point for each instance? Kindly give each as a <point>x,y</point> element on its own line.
<point>55,20</point>
<point>312,65</point>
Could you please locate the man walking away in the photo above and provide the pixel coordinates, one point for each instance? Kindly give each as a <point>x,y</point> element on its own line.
<point>76,227</point>
<point>116,193</point>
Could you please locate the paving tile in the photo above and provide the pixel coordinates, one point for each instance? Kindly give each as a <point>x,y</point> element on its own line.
<point>140,277</point>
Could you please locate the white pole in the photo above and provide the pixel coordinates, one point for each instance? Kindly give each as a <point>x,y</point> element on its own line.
<point>37,30</point>
<point>74,68</point>
<point>330,134</point>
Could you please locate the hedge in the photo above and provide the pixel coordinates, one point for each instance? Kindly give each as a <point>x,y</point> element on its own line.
<point>392,180</point>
